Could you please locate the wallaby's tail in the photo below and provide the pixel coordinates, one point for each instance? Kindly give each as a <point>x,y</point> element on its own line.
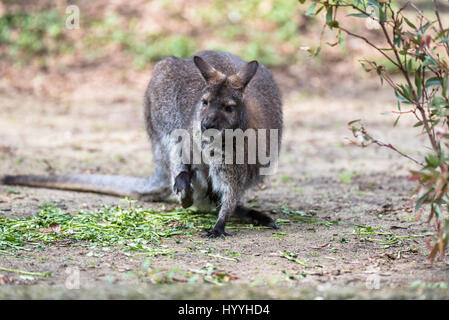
<point>154,188</point>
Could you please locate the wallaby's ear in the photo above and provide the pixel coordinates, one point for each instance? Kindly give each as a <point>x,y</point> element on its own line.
<point>210,74</point>
<point>244,76</point>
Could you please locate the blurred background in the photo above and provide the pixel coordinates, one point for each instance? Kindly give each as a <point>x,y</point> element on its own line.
<point>118,41</point>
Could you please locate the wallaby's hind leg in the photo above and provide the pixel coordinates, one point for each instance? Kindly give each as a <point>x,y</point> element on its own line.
<point>255,217</point>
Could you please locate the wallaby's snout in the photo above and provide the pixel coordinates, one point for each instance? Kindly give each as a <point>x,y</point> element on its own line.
<point>223,110</point>
<point>215,117</point>
<point>210,122</point>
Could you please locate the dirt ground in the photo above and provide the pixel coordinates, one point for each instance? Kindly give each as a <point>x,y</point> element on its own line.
<point>100,129</point>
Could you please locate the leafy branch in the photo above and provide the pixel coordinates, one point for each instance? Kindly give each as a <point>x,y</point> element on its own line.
<point>420,53</point>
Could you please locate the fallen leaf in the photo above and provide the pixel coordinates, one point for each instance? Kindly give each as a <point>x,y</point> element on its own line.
<point>226,277</point>
<point>54,227</point>
<point>4,279</point>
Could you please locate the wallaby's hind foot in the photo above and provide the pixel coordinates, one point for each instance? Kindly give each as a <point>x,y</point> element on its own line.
<point>247,215</point>
<point>255,217</point>
<point>211,234</point>
<point>214,234</point>
<point>218,230</point>
<point>183,189</point>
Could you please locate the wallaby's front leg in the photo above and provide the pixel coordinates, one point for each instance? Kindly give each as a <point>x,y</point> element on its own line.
<point>229,203</point>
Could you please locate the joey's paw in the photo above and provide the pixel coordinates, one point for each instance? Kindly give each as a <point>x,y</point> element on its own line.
<point>183,189</point>
<point>216,234</point>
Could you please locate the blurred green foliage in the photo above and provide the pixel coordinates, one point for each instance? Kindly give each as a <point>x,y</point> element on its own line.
<point>264,30</point>
<point>145,48</point>
<point>28,35</point>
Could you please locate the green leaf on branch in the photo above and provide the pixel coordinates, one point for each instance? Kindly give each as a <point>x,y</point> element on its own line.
<point>365,67</point>
<point>404,94</point>
<point>411,25</point>
<point>382,14</point>
<point>358,15</point>
<point>438,102</point>
<point>421,200</point>
<point>418,82</point>
<point>432,161</point>
<point>409,66</point>
<point>329,15</point>
<point>445,84</point>
<point>309,11</point>
<point>425,27</point>
<point>396,121</point>
<point>435,81</point>
<point>341,40</point>
<point>429,61</point>
<point>374,3</point>
<point>333,24</point>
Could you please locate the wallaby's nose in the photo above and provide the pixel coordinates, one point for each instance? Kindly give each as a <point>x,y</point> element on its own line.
<point>207,124</point>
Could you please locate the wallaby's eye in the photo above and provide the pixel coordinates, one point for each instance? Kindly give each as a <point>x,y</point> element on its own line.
<point>204,102</point>
<point>229,109</point>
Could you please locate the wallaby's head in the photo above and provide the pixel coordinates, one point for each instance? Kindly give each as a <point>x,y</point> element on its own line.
<point>221,102</point>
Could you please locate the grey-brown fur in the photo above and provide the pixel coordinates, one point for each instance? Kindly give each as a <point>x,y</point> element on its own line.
<point>216,89</point>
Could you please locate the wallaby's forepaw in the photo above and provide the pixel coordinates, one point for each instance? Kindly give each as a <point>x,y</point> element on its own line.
<point>217,234</point>
<point>183,189</point>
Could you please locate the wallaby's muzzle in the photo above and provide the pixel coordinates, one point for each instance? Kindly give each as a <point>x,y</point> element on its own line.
<point>208,124</point>
<point>210,119</point>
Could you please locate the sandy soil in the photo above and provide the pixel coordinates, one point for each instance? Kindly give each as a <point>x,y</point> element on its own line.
<point>318,172</point>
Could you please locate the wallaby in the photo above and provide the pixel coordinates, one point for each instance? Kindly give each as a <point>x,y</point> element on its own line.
<point>211,90</point>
